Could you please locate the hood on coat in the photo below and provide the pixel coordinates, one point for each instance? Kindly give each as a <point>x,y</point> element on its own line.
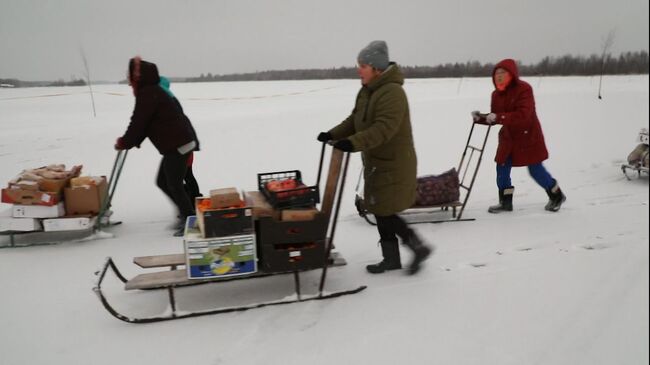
<point>142,73</point>
<point>509,65</point>
<point>391,75</point>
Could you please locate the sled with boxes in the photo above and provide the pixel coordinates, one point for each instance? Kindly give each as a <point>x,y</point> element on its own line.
<point>51,204</point>
<point>282,228</point>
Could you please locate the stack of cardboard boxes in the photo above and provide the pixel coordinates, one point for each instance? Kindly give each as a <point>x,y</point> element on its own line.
<point>220,240</point>
<point>52,199</point>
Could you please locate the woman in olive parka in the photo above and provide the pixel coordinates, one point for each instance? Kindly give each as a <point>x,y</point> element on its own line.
<point>380,128</point>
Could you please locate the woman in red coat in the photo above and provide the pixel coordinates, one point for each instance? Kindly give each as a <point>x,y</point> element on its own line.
<point>521,140</point>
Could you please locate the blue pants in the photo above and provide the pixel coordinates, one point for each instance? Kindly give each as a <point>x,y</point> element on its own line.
<point>537,171</point>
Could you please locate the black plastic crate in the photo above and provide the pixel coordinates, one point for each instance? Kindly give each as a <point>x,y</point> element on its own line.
<point>272,231</point>
<point>303,196</point>
<point>226,222</point>
<point>286,257</point>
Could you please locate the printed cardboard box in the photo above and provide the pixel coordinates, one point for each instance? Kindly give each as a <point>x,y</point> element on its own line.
<point>68,224</point>
<point>38,211</point>
<point>16,195</point>
<point>218,256</point>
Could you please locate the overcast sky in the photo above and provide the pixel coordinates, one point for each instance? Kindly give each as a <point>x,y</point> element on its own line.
<point>41,40</point>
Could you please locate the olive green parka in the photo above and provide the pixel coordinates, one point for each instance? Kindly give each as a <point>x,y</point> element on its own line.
<point>380,128</point>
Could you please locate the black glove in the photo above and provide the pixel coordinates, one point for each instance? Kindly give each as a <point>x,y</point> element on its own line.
<point>344,145</point>
<point>324,136</point>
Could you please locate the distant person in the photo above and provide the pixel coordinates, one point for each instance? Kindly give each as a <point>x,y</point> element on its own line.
<point>158,117</point>
<point>521,140</point>
<point>380,128</point>
<point>190,184</point>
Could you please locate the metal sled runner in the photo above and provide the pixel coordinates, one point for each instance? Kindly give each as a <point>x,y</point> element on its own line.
<point>464,167</point>
<point>640,170</point>
<point>25,239</point>
<point>176,278</point>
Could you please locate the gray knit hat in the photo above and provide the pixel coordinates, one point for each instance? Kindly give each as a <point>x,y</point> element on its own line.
<point>375,54</point>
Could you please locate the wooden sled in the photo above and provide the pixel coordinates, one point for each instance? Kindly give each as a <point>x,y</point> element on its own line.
<point>176,275</point>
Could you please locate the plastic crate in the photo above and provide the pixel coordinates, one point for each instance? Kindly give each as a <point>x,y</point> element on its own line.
<point>302,196</point>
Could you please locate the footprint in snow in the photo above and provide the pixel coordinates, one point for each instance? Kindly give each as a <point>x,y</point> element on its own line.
<point>592,247</point>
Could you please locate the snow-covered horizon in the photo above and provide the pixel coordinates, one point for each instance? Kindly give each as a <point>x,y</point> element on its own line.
<point>529,287</point>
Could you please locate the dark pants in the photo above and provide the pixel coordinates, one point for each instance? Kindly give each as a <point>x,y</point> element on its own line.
<point>391,226</point>
<point>191,185</point>
<point>537,172</point>
<point>171,173</point>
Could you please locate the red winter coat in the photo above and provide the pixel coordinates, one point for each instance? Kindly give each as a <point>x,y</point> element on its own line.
<point>521,136</point>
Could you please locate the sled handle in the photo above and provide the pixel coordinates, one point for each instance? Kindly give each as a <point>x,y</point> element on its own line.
<point>320,165</point>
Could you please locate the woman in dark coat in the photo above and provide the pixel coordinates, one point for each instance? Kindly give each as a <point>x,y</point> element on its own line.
<point>157,117</point>
<point>380,128</point>
<point>521,140</point>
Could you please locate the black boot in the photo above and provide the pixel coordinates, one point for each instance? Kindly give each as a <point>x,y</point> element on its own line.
<point>420,251</point>
<point>555,198</point>
<point>505,201</point>
<point>391,261</point>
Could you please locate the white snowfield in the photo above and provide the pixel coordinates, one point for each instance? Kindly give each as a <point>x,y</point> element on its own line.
<point>527,287</point>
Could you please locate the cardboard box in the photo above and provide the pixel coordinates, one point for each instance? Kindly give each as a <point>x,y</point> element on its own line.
<point>54,185</point>
<point>24,184</point>
<point>85,199</point>
<point>225,198</point>
<point>38,211</point>
<point>15,195</point>
<point>298,215</point>
<point>218,257</point>
<point>68,224</point>
<point>224,222</point>
<point>10,224</point>
<point>260,206</point>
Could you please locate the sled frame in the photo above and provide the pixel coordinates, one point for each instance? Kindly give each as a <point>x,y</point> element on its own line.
<point>640,170</point>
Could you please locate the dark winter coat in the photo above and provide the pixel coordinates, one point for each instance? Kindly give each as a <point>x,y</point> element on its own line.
<point>156,115</point>
<point>380,127</point>
<point>521,136</point>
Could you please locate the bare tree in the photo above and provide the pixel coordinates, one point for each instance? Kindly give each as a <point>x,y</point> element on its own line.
<point>606,44</point>
<point>92,97</point>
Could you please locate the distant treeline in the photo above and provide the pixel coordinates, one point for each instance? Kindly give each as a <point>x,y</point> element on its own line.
<point>625,64</point>
<point>60,82</point>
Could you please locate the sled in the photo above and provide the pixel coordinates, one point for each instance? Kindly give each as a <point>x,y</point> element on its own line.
<point>637,156</point>
<point>465,171</point>
<point>640,170</point>
<point>176,275</point>
<point>94,230</point>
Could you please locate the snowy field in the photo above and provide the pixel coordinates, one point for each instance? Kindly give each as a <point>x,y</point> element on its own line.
<point>530,287</point>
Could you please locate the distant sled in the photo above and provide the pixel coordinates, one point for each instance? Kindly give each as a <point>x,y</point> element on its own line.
<point>638,159</point>
<point>428,213</point>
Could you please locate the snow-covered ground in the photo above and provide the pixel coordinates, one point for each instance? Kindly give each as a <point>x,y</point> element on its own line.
<point>530,287</point>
